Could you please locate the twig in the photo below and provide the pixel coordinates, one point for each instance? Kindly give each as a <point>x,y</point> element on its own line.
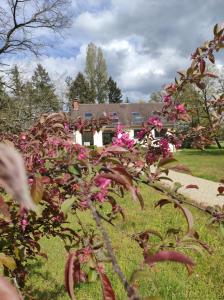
<point>131,292</point>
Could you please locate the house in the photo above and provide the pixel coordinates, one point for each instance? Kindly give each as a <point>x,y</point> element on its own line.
<point>130,115</point>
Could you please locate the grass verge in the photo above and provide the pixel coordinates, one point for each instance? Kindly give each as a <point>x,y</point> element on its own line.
<point>168,280</point>
<point>207,164</point>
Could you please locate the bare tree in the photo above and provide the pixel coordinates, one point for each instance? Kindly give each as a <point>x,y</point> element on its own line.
<point>20,19</point>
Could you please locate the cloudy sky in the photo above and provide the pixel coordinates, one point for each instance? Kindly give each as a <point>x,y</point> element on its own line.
<point>144,41</point>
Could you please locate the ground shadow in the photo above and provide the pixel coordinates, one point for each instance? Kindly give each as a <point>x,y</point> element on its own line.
<point>54,290</point>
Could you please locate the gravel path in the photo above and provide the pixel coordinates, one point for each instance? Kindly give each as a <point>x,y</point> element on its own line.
<point>206,195</point>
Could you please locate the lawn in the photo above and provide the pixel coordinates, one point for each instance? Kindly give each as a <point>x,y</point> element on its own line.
<point>208,164</point>
<point>168,280</point>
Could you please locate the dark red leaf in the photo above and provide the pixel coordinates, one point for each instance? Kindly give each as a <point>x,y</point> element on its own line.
<point>169,256</point>
<point>181,168</point>
<point>108,292</point>
<point>186,212</point>
<point>221,189</point>
<point>69,274</point>
<point>165,161</point>
<point>162,202</point>
<point>37,189</point>
<point>122,177</point>
<point>136,196</point>
<point>192,186</point>
<point>121,170</point>
<point>215,29</point>
<point>116,178</point>
<point>116,149</point>
<point>188,216</point>
<point>209,74</point>
<point>201,85</point>
<point>202,66</point>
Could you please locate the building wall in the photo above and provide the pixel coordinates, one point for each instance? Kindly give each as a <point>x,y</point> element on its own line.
<point>98,138</point>
<point>77,137</point>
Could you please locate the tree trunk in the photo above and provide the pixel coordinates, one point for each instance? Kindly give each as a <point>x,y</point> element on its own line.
<point>209,118</point>
<point>218,143</point>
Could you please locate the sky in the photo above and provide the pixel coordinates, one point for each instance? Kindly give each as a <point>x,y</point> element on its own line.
<point>144,41</point>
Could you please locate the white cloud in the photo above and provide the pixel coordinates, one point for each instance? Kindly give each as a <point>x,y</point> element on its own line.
<point>144,41</point>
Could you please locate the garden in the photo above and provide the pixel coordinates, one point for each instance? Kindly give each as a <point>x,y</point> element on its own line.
<point>97,223</point>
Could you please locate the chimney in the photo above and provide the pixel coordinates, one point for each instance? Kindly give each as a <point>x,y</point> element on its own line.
<point>75,104</point>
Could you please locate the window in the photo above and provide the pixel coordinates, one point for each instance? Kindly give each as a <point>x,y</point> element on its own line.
<point>87,138</point>
<point>88,115</point>
<point>114,118</point>
<point>137,118</point>
<point>108,137</point>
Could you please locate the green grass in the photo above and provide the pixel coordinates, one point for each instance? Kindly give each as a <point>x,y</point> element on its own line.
<point>168,280</point>
<point>208,164</point>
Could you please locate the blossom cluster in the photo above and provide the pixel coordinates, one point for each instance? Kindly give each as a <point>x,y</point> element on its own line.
<point>122,138</point>
<point>102,183</point>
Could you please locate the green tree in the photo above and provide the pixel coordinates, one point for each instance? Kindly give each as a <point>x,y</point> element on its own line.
<point>114,93</point>
<point>96,72</point>
<point>44,98</point>
<point>5,107</point>
<point>28,100</point>
<point>101,77</point>
<point>192,98</point>
<point>16,83</point>
<point>80,88</point>
<point>90,69</point>
<point>156,97</point>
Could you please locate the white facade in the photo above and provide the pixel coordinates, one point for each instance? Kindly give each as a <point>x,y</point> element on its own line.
<point>131,133</point>
<point>98,139</point>
<point>77,137</point>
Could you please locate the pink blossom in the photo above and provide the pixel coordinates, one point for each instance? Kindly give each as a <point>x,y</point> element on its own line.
<point>180,108</point>
<point>84,204</point>
<point>156,122</point>
<point>164,145</point>
<point>66,126</point>
<point>151,157</point>
<point>102,182</point>
<point>23,137</point>
<point>122,138</point>
<point>100,196</point>
<point>30,180</point>
<point>81,152</point>
<point>24,223</point>
<point>81,156</point>
<point>85,255</point>
<point>167,99</point>
<point>56,218</point>
<point>141,134</point>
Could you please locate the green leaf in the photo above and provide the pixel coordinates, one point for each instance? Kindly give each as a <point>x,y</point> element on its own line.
<point>92,275</point>
<point>67,204</point>
<point>74,170</point>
